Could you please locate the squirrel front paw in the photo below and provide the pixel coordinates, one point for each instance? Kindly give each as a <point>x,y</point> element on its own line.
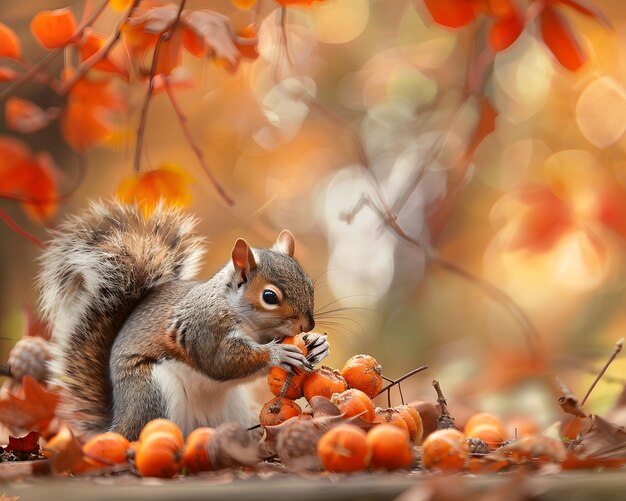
<point>289,357</point>
<point>318,347</point>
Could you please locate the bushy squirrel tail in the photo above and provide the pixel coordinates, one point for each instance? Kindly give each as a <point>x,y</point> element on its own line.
<point>96,268</point>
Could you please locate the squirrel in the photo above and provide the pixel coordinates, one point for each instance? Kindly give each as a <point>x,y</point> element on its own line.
<point>135,337</point>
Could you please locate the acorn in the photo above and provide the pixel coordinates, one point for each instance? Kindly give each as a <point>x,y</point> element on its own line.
<point>28,358</point>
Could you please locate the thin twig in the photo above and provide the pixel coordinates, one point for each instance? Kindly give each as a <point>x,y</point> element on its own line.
<point>18,229</point>
<point>182,119</point>
<point>402,378</point>
<point>165,36</point>
<point>618,347</point>
<point>100,54</point>
<point>52,55</point>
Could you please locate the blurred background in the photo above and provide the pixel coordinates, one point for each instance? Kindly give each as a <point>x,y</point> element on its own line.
<point>370,101</point>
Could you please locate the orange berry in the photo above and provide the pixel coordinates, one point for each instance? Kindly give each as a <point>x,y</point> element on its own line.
<point>278,410</point>
<point>276,381</point>
<point>107,448</point>
<point>195,454</point>
<point>488,433</point>
<point>297,341</point>
<point>344,448</point>
<point>392,417</point>
<point>159,455</point>
<point>445,449</point>
<point>353,402</point>
<point>391,448</point>
<point>323,382</point>
<point>483,418</point>
<point>364,373</point>
<point>162,425</point>
<point>413,421</point>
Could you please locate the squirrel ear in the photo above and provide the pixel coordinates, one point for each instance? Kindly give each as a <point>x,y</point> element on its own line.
<point>285,243</point>
<point>243,258</point>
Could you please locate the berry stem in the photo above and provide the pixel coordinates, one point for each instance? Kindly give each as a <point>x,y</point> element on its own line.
<point>445,419</point>
<point>616,350</point>
<point>402,378</point>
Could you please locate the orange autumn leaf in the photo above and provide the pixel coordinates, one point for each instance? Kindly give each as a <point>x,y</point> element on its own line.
<point>91,43</point>
<point>247,43</point>
<point>169,184</point>
<point>558,36</point>
<point>120,5</point>
<point>9,43</point>
<point>29,177</point>
<point>286,3</point>
<point>24,116</point>
<point>54,28</point>
<point>544,220</point>
<point>170,54</point>
<point>87,117</point>
<point>451,13</point>
<point>31,407</point>
<point>505,31</point>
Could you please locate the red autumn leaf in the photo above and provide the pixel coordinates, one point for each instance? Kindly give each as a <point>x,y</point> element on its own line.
<point>7,75</point>
<point>31,407</point>
<point>9,43</point>
<point>505,31</point>
<point>54,28</point>
<point>91,43</point>
<point>611,210</point>
<point>28,176</point>
<point>87,117</point>
<point>544,220</point>
<point>28,443</point>
<point>24,116</point>
<point>168,184</point>
<point>558,36</point>
<point>451,13</point>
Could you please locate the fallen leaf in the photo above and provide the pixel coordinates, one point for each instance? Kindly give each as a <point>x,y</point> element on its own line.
<point>9,43</point>
<point>31,407</point>
<point>64,450</point>
<point>534,447</point>
<point>28,443</point>
<point>54,28</point>
<point>23,116</point>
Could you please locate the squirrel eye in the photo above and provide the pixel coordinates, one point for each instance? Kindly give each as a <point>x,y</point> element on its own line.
<point>270,297</point>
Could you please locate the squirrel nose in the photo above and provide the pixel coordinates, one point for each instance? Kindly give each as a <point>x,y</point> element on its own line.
<point>308,324</point>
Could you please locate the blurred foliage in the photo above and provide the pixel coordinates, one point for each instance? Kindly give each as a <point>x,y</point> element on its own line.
<point>350,99</point>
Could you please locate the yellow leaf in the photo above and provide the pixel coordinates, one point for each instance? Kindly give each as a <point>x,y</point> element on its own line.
<point>169,184</point>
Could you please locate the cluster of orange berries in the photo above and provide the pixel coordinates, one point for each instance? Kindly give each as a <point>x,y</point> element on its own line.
<point>160,451</point>
<point>391,434</point>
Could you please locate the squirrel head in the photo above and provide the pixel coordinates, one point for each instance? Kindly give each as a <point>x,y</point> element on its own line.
<point>278,294</point>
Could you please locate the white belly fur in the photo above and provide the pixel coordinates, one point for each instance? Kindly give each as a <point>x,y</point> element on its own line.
<point>195,400</point>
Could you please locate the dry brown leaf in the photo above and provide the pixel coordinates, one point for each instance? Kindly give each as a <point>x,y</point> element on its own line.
<point>155,19</point>
<point>533,447</point>
<point>64,450</point>
<point>604,440</point>
<point>232,445</point>
<point>30,407</point>
<point>216,32</point>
